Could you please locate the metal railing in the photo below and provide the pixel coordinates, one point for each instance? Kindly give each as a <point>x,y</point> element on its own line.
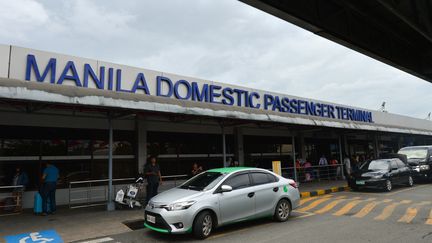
<point>91,193</point>
<point>10,200</point>
<point>315,173</point>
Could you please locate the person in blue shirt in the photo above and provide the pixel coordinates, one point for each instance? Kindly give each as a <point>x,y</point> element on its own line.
<point>49,178</point>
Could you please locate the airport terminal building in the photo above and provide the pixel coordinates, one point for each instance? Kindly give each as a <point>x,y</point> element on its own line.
<point>59,108</point>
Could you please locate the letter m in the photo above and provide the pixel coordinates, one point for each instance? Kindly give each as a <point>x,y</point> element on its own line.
<point>32,65</point>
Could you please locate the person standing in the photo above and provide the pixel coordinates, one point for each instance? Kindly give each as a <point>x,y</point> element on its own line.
<point>323,167</point>
<point>196,169</point>
<point>49,178</point>
<point>20,180</point>
<point>154,178</point>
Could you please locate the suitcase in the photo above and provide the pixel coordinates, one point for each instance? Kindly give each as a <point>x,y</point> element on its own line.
<point>37,203</point>
<point>37,206</point>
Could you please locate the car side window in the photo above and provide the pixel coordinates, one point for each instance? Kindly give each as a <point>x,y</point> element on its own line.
<point>272,178</point>
<point>238,181</point>
<point>400,164</point>
<point>393,165</point>
<point>260,178</point>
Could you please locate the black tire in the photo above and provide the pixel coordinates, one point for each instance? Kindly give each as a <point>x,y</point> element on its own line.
<point>388,186</point>
<point>282,210</point>
<point>410,182</point>
<point>203,225</point>
<point>355,188</point>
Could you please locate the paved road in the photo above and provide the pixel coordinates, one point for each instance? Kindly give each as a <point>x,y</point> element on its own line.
<point>404,215</point>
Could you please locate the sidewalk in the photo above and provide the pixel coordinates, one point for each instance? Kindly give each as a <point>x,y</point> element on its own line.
<point>71,225</point>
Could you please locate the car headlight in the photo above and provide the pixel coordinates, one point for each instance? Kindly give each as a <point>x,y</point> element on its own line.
<point>377,177</point>
<point>424,167</point>
<point>179,206</point>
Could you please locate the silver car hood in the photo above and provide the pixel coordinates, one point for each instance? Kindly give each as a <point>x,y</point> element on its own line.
<point>176,195</point>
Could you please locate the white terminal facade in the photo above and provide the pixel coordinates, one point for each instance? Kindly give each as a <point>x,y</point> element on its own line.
<point>57,108</point>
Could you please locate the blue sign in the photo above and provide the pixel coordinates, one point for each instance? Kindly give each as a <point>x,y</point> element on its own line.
<point>47,236</point>
<point>111,79</point>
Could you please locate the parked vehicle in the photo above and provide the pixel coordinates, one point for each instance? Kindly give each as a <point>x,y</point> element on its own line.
<point>382,174</point>
<point>221,196</point>
<point>420,160</point>
<point>129,198</point>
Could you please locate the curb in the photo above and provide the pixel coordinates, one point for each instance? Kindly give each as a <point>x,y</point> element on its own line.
<point>323,192</point>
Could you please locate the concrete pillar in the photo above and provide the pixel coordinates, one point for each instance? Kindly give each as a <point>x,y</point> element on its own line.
<point>110,203</point>
<point>238,143</point>
<point>376,146</point>
<point>141,131</point>
<point>301,146</point>
<point>400,142</point>
<point>345,146</point>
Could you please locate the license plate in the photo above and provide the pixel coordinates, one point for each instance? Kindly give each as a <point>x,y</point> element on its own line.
<point>151,219</point>
<point>360,182</point>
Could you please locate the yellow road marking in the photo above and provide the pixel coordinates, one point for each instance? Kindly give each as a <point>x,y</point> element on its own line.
<point>409,215</point>
<point>387,211</point>
<point>345,209</point>
<point>333,204</point>
<point>369,207</point>
<point>329,206</point>
<point>429,221</point>
<point>303,201</point>
<point>314,204</point>
<point>412,211</point>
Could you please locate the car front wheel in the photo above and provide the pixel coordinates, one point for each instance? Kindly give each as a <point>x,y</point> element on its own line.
<point>388,186</point>
<point>410,181</point>
<point>283,210</point>
<point>203,225</point>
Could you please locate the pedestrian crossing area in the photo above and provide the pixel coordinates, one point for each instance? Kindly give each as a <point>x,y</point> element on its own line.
<point>378,209</point>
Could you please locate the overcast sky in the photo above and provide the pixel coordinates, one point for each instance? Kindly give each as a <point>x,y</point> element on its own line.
<point>223,40</point>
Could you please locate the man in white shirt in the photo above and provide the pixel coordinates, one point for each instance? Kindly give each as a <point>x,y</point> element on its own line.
<point>323,169</point>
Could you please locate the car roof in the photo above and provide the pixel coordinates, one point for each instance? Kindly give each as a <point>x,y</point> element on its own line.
<point>227,170</point>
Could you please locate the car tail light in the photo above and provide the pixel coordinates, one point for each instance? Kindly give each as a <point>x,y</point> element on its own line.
<point>293,184</point>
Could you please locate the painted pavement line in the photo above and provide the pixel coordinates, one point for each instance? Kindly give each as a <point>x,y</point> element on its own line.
<point>388,210</point>
<point>333,204</point>
<point>305,200</point>
<point>412,211</point>
<point>429,220</point>
<point>345,209</point>
<point>100,240</point>
<point>314,204</point>
<point>369,207</point>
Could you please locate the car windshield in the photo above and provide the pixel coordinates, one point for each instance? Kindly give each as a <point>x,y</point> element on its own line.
<point>414,153</point>
<point>376,165</point>
<point>203,181</point>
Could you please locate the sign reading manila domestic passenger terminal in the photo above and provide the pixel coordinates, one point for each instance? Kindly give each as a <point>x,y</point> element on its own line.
<point>113,78</point>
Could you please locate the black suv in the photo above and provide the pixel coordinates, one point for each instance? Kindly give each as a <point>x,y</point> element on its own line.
<point>420,160</point>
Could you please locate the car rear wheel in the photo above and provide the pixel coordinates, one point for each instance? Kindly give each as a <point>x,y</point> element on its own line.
<point>410,181</point>
<point>203,225</point>
<point>388,186</point>
<point>283,210</point>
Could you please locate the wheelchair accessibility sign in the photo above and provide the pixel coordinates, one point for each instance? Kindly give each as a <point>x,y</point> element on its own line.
<point>47,236</point>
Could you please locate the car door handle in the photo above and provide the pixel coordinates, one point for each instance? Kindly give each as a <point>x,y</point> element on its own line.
<point>251,194</point>
<point>276,189</point>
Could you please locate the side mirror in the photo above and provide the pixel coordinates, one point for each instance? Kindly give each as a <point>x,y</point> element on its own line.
<point>226,188</point>
<point>392,169</point>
